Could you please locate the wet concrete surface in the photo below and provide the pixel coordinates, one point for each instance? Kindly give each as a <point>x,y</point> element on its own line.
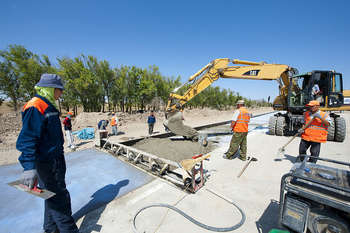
<point>174,149</point>
<point>93,179</point>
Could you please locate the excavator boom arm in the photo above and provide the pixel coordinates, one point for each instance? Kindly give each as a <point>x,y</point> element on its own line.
<point>219,69</point>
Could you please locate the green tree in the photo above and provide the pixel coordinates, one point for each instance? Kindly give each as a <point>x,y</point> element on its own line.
<point>82,84</point>
<point>27,67</point>
<point>106,77</point>
<point>9,84</point>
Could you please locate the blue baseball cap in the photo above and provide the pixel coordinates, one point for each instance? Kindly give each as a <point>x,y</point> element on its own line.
<point>50,80</point>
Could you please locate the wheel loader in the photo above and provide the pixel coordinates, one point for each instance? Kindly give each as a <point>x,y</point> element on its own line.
<point>300,92</point>
<point>295,91</point>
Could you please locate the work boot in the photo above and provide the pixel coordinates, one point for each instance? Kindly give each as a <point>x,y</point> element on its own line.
<point>226,157</point>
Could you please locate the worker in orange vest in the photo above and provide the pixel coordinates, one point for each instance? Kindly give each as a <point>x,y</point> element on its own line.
<point>239,124</point>
<point>114,124</point>
<point>68,130</point>
<point>316,133</point>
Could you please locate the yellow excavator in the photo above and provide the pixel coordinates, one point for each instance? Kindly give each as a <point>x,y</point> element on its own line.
<point>295,91</point>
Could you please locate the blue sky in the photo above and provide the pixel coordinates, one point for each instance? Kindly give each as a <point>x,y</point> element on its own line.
<point>180,37</point>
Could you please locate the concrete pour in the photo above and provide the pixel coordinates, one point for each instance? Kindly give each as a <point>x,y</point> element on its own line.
<point>175,148</point>
<point>93,179</point>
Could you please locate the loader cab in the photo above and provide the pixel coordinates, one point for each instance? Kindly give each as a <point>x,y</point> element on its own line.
<point>323,86</point>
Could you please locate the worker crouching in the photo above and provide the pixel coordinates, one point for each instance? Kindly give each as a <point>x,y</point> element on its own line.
<point>41,143</point>
<point>239,124</point>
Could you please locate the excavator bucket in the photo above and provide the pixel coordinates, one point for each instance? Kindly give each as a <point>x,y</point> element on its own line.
<point>175,124</point>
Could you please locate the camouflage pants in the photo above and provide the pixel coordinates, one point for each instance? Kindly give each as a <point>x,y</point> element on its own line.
<point>238,141</point>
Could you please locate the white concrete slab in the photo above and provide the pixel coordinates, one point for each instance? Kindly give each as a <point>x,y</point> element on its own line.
<point>93,179</point>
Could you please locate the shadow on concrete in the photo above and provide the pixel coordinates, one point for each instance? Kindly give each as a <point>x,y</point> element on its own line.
<point>179,139</point>
<point>118,133</point>
<point>269,219</point>
<point>95,207</point>
<point>261,127</point>
<point>84,142</point>
<point>291,158</point>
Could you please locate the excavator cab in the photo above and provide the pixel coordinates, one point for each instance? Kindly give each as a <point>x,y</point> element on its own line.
<point>324,86</point>
<point>335,87</point>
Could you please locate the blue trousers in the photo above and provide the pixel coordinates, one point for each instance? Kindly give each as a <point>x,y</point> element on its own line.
<point>114,130</point>
<point>58,211</point>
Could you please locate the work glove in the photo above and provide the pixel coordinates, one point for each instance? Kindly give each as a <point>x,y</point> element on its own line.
<point>317,115</point>
<point>29,178</point>
<point>300,131</point>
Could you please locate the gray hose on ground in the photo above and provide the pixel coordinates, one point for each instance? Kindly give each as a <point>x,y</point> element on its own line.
<point>210,228</point>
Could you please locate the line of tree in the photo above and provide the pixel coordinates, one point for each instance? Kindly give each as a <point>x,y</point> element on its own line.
<point>96,86</point>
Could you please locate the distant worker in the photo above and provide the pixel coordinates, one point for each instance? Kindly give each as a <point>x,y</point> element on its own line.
<point>114,124</point>
<point>239,124</point>
<point>151,121</point>
<point>41,143</point>
<point>68,130</point>
<point>102,124</point>
<point>316,133</point>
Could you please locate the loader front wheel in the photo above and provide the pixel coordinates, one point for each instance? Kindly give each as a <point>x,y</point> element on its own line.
<point>331,130</point>
<point>340,129</point>
<point>280,126</point>
<point>272,125</point>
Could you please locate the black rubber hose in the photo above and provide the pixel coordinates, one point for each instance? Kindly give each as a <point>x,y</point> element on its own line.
<point>210,228</point>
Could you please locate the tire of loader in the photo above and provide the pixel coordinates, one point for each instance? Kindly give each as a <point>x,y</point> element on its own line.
<point>272,125</point>
<point>280,126</point>
<point>331,130</point>
<point>340,129</point>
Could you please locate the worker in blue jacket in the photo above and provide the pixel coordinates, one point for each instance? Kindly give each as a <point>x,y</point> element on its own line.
<point>41,143</point>
<point>151,121</point>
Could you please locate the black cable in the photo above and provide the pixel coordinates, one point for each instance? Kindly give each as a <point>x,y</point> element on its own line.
<point>207,227</point>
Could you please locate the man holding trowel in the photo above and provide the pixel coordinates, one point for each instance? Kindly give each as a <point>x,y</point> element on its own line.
<point>41,143</point>
<point>315,133</point>
<point>239,124</point>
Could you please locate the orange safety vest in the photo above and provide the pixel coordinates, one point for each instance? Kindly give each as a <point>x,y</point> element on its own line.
<point>37,103</point>
<point>242,121</point>
<point>113,121</point>
<point>317,131</point>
